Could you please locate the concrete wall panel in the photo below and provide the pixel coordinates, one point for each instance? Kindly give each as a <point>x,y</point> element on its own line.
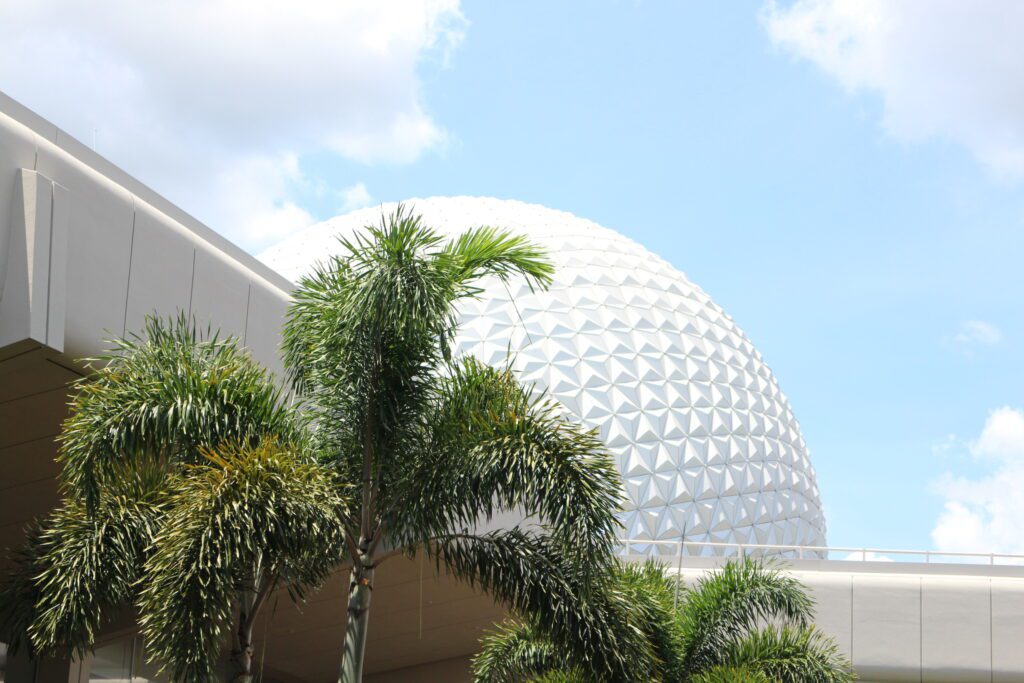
<point>955,628</point>
<point>220,293</point>
<point>99,242</point>
<point>17,150</point>
<point>163,256</point>
<point>1007,630</point>
<point>833,604</point>
<point>267,309</point>
<point>60,227</point>
<point>24,295</point>
<point>887,627</point>
<point>453,670</point>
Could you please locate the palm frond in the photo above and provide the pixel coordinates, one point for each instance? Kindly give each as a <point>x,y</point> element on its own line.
<point>249,514</point>
<point>592,623</point>
<point>642,608</point>
<point>513,652</point>
<point>488,251</point>
<point>19,592</point>
<point>791,654</point>
<point>88,561</point>
<point>159,396</point>
<point>494,447</point>
<point>727,604</point>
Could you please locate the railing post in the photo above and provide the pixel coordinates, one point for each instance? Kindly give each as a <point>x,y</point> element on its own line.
<point>863,554</point>
<point>927,556</point>
<point>992,559</point>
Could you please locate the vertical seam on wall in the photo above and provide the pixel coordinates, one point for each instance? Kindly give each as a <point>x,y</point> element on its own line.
<point>920,626</point>
<point>131,257</point>
<point>991,635</point>
<point>248,302</point>
<point>851,621</point>
<point>192,287</point>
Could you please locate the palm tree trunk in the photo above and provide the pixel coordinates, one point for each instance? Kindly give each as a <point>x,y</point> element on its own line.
<point>241,653</point>
<point>359,593</point>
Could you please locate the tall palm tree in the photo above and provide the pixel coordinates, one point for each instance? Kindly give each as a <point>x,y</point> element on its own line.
<point>435,447</point>
<point>746,622</point>
<point>397,447</point>
<point>187,490</point>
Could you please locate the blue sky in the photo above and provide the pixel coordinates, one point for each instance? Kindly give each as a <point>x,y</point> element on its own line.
<point>852,259</point>
<point>845,180</point>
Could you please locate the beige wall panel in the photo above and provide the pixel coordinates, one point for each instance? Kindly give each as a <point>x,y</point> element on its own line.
<point>24,503</point>
<point>887,627</point>
<point>454,670</point>
<point>17,150</point>
<point>220,293</point>
<point>32,417</point>
<point>34,377</point>
<point>833,597</point>
<point>267,309</point>
<point>453,641</point>
<point>163,255</point>
<point>955,628</point>
<point>1007,630</point>
<point>99,245</point>
<point>25,248</point>
<point>27,462</point>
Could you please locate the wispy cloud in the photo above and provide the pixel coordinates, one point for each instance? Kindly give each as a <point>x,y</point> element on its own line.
<point>943,68</point>
<point>975,333</point>
<point>355,197</point>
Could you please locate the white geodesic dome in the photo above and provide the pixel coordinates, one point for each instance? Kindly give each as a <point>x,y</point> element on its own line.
<point>704,439</point>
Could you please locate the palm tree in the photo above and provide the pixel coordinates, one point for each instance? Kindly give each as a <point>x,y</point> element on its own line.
<point>247,522</point>
<point>194,488</point>
<point>435,447</point>
<point>187,490</point>
<point>746,622</point>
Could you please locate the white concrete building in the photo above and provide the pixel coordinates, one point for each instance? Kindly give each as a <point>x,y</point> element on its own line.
<point>704,438</point>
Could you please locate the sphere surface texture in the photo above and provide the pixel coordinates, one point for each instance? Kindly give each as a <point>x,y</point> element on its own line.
<point>704,439</point>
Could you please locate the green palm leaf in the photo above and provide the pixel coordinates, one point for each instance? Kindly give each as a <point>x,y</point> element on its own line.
<point>726,605</point>
<point>243,521</point>
<point>516,651</point>
<point>493,446</point>
<point>89,562</point>
<point>158,397</point>
<point>722,620</point>
<point>790,654</point>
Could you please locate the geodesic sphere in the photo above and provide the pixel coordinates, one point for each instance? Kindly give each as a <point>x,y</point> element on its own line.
<point>704,439</point>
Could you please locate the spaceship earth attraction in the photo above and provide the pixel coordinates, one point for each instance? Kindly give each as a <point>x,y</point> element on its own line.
<point>706,443</point>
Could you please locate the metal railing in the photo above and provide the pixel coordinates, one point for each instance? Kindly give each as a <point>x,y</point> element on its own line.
<point>676,547</point>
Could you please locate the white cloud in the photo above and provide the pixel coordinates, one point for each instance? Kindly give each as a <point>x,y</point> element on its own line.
<point>986,514</point>
<point>1002,437</point>
<point>195,95</point>
<point>978,333</point>
<point>253,192</point>
<point>355,197</point>
<point>943,68</point>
